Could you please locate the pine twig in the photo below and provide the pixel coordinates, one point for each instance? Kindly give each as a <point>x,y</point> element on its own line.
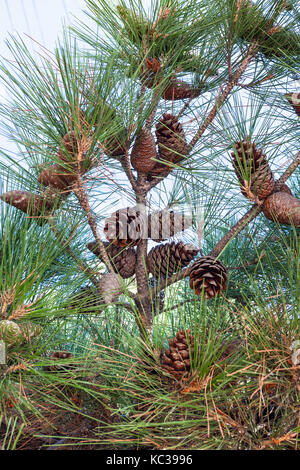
<point>224,94</point>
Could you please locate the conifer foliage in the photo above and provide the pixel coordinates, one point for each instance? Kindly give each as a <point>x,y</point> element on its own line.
<point>154,179</point>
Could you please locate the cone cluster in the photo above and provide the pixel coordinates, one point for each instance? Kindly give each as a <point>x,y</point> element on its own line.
<point>208,276</point>
<point>125,227</point>
<point>165,260</point>
<point>165,224</point>
<point>177,359</point>
<point>253,171</point>
<point>123,260</point>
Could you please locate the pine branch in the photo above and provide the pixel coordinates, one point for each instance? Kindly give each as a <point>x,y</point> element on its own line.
<point>221,98</point>
<point>83,200</point>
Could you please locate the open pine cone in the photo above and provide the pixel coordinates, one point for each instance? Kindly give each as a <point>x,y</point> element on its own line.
<point>253,171</point>
<point>208,275</point>
<point>177,359</point>
<point>165,260</point>
<point>125,227</point>
<point>123,260</point>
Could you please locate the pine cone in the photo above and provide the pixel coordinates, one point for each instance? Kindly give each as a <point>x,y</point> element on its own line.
<point>10,332</point>
<point>294,99</point>
<point>208,275</point>
<point>32,204</point>
<point>165,224</point>
<point>125,227</point>
<point>110,287</point>
<point>69,149</point>
<point>282,207</point>
<point>143,152</point>
<point>57,356</point>
<point>123,260</point>
<point>165,260</point>
<point>171,141</point>
<point>57,177</point>
<point>180,90</point>
<point>252,169</point>
<point>172,146</point>
<point>177,359</point>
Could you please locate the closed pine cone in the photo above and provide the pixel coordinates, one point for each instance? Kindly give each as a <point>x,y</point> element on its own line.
<point>165,224</point>
<point>56,176</point>
<point>32,204</point>
<point>177,359</point>
<point>110,287</point>
<point>165,260</point>
<point>143,152</point>
<point>208,275</point>
<point>180,90</point>
<point>123,260</point>
<point>172,146</point>
<point>252,169</point>
<point>294,99</point>
<point>69,149</point>
<point>125,227</point>
<point>282,207</point>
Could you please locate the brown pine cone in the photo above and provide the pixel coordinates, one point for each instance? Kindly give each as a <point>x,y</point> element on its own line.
<point>123,260</point>
<point>110,287</point>
<point>253,171</point>
<point>282,207</point>
<point>69,149</point>
<point>125,227</point>
<point>172,146</point>
<point>209,276</point>
<point>143,152</point>
<point>294,99</point>
<point>180,90</point>
<point>165,224</point>
<point>57,177</point>
<point>177,359</point>
<point>171,141</point>
<point>57,356</point>
<point>33,205</point>
<point>165,260</point>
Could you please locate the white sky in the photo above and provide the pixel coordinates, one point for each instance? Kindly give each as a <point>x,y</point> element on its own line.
<point>41,20</point>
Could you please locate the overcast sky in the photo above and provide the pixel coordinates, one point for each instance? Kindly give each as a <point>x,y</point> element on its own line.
<point>41,20</point>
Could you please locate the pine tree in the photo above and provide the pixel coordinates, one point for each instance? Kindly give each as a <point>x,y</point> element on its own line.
<point>165,147</point>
